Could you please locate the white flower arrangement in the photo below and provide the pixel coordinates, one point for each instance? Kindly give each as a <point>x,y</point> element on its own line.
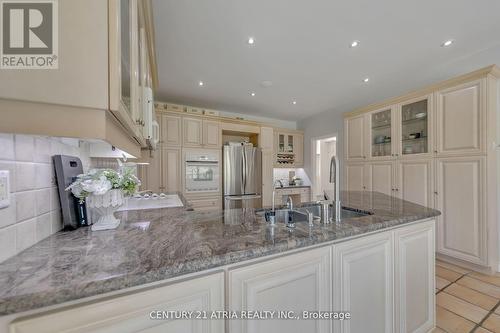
<point>100,181</point>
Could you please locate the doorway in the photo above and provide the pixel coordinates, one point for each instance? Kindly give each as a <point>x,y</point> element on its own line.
<point>323,149</point>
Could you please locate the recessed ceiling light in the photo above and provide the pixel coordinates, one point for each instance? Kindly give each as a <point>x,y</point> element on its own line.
<point>366,79</point>
<point>253,94</point>
<point>447,43</point>
<point>251,40</point>
<point>201,83</point>
<point>354,43</point>
<point>294,102</point>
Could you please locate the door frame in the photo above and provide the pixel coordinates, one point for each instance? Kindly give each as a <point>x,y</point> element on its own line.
<point>313,158</point>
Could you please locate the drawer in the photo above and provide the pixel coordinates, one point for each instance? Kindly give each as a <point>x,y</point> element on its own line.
<point>205,203</point>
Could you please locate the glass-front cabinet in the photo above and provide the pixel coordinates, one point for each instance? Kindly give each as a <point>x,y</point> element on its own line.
<point>381,134</point>
<point>414,128</point>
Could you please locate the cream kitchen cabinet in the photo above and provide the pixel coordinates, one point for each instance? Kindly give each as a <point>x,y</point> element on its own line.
<point>171,169</point>
<point>293,283</point>
<point>211,134</point>
<point>357,177</point>
<point>267,177</point>
<point>460,196</point>
<point>266,138</point>
<point>289,149</point>
<point>171,130</point>
<point>415,181</point>
<point>355,137</point>
<point>137,312</point>
<point>201,133</point>
<point>460,119</point>
<point>444,137</point>
<point>192,132</point>
<point>297,194</point>
<point>382,133</point>
<point>298,146</point>
<point>370,301</point>
<point>380,177</point>
<point>414,283</point>
<point>414,128</point>
<point>105,99</point>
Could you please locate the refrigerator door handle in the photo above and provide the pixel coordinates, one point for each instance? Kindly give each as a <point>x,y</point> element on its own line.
<point>244,170</point>
<point>244,197</point>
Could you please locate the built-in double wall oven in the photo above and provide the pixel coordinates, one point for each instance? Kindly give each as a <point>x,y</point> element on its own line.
<point>201,171</point>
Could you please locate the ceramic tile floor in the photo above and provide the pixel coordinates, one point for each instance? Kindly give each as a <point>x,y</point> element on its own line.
<point>466,301</point>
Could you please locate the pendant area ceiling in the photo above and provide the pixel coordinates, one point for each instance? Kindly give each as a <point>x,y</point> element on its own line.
<point>303,49</point>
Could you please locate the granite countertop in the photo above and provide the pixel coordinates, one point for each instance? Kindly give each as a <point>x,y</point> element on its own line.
<point>154,245</point>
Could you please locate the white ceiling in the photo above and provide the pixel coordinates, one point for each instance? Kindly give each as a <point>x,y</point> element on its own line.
<point>302,46</point>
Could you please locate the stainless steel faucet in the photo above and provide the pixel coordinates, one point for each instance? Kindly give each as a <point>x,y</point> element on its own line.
<point>335,177</point>
<point>289,203</point>
<point>274,189</point>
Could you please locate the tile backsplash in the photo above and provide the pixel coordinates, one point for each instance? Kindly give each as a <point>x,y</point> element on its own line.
<point>34,212</point>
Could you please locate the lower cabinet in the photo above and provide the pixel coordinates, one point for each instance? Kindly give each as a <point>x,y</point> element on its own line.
<point>385,281</point>
<point>293,283</point>
<point>414,282</point>
<point>133,313</point>
<point>205,202</point>
<point>363,284</point>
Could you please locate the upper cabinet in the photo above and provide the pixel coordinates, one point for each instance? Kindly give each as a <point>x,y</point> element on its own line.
<point>132,66</point>
<point>460,121</point>
<point>414,129</point>
<point>171,130</point>
<point>381,134</point>
<point>289,148</point>
<point>115,72</point>
<point>201,133</point>
<point>193,129</point>
<point>355,134</point>
<point>211,134</point>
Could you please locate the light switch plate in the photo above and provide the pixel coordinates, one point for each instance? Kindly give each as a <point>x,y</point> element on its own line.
<point>4,189</point>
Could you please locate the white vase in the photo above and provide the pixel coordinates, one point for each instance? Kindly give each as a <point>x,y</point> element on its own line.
<point>105,205</point>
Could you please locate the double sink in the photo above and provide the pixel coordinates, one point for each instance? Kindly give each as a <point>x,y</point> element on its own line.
<point>307,212</point>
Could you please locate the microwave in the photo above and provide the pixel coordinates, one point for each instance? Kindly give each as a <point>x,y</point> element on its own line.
<point>201,171</point>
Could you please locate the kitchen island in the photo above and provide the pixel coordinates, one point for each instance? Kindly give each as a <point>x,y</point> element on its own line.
<point>379,267</point>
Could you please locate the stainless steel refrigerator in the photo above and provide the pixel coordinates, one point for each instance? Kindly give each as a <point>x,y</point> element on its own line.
<point>242,177</point>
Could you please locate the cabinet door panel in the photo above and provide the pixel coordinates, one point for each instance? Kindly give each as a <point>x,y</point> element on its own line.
<point>462,225</point>
<point>131,313</point>
<point>293,283</point>
<point>382,177</point>
<point>171,131</point>
<point>192,131</point>
<point>369,300</point>
<point>415,299</point>
<point>211,134</point>
<point>266,138</point>
<point>460,117</point>
<point>354,177</point>
<point>267,177</point>
<point>171,169</point>
<point>415,182</point>
<point>298,149</point>
<point>355,136</point>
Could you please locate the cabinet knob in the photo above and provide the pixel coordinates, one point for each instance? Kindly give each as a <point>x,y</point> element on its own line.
<point>435,151</point>
<point>435,193</point>
<point>397,190</point>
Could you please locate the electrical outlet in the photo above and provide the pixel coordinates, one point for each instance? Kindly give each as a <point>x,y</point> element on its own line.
<point>4,189</point>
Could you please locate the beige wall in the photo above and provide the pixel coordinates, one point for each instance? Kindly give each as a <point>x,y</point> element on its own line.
<point>34,211</point>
